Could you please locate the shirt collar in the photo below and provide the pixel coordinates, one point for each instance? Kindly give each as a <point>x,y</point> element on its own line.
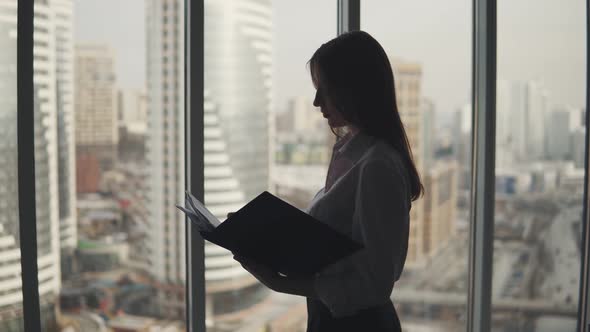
<point>353,146</point>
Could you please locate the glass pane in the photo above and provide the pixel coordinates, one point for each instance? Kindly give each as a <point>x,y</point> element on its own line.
<point>111,241</point>
<point>429,46</point>
<point>11,310</point>
<point>539,165</point>
<point>261,133</point>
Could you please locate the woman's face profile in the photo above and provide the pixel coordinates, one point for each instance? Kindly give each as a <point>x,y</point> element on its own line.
<point>326,106</point>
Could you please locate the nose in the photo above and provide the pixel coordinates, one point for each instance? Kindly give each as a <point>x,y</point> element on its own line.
<point>317,102</point>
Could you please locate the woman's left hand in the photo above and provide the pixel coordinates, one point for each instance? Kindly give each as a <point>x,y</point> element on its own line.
<point>263,273</point>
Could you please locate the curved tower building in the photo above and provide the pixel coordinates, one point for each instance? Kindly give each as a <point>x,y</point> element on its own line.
<point>238,88</point>
<point>238,84</point>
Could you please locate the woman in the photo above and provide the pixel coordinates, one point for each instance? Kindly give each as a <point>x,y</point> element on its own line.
<point>370,185</point>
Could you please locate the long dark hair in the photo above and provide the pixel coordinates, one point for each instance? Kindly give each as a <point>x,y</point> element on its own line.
<point>354,71</point>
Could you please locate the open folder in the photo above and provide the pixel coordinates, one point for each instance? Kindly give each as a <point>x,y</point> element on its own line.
<point>270,231</point>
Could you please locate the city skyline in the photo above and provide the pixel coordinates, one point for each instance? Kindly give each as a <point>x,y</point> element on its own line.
<point>294,47</point>
<point>129,256</point>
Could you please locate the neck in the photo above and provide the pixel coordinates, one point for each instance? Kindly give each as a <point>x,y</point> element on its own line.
<point>353,130</point>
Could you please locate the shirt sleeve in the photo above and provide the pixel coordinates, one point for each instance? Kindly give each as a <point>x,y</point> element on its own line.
<point>381,219</point>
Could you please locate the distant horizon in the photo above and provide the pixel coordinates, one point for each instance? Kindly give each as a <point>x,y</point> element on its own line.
<point>553,55</point>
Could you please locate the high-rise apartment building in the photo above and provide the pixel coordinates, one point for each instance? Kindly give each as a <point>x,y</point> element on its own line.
<point>408,81</point>
<point>132,110</point>
<point>238,82</point>
<point>578,140</point>
<point>440,205</point>
<point>521,117</point>
<point>96,112</point>
<point>165,151</point>
<point>10,303</point>
<point>428,131</point>
<point>462,145</point>
<point>558,134</point>
<point>64,51</point>
<point>427,232</point>
<point>536,107</point>
<point>46,168</point>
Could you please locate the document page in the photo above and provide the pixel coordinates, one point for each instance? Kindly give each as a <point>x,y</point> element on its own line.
<point>199,214</point>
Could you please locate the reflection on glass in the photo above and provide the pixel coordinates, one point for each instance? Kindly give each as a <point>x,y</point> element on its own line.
<point>539,166</point>
<point>11,316</point>
<point>432,84</point>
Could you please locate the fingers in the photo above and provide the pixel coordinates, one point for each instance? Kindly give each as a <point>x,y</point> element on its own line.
<point>239,258</point>
<point>247,263</point>
<point>243,261</point>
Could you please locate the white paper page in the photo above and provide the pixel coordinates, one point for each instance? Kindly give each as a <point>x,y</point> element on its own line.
<point>199,208</point>
<point>202,224</point>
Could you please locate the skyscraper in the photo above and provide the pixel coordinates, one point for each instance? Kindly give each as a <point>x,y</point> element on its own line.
<point>520,122</point>
<point>428,130</point>
<point>462,145</point>
<point>165,150</point>
<point>558,134</point>
<point>46,158</point>
<point>536,107</point>
<point>440,205</point>
<point>238,82</point>
<point>578,139</point>
<point>408,80</point>
<point>46,162</point>
<point>64,51</point>
<point>131,109</point>
<point>10,303</point>
<point>96,112</point>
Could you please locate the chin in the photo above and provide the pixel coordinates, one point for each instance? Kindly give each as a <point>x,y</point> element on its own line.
<point>336,124</point>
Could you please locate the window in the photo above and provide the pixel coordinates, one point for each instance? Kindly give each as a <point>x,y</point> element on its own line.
<point>109,160</point>
<point>11,317</point>
<point>432,291</point>
<point>540,102</point>
<point>255,70</point>
<point>119,222</point>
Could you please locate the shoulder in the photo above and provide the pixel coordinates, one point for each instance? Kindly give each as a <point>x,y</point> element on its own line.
<point>382,166</point>
<point>382,171</point>
<point>383,157</point>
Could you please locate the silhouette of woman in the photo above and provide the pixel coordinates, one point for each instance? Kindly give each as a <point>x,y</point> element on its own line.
<point>369,189</point>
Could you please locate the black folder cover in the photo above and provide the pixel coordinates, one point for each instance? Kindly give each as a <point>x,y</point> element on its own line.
<point>270,231</point>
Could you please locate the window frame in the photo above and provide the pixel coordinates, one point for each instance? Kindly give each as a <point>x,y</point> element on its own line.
<point>348,12</point>
<point>26,166</point>
<point>483,166</point>
<point>194,159</point>
<point>584,293</point>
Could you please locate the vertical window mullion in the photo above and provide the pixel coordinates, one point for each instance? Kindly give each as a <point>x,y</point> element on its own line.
<point>583,310</point>
<point>194,160</point>
<point>483,166</point>
<point>26,167</point>
<point>349,16</point>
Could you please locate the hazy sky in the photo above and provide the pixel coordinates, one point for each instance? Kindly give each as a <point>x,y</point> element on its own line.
<point>537,39</point>
<point>121,24</point>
